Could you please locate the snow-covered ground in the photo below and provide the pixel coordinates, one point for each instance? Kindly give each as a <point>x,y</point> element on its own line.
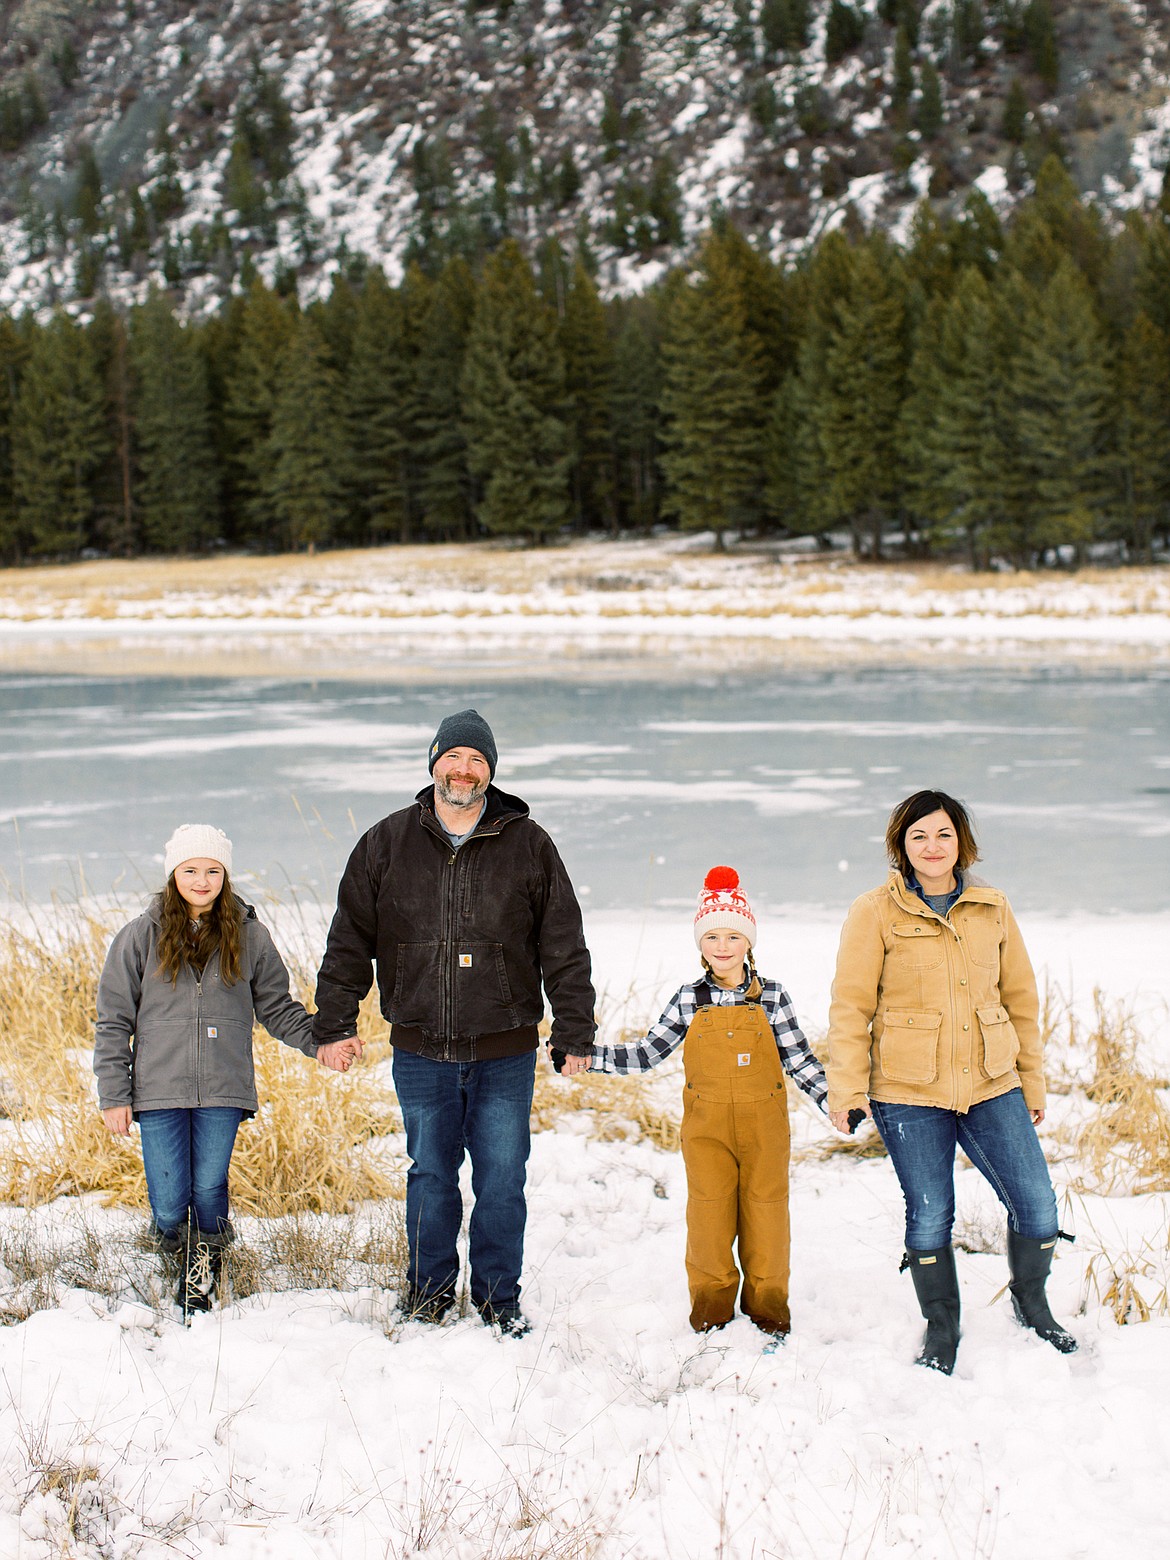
<point>649,603</point>
<point>292,1425</point>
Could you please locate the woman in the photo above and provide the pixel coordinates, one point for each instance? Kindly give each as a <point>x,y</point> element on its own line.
<point>181,988</point>
<point>933,1032</point>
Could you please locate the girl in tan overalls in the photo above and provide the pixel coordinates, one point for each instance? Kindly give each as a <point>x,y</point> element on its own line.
<point>739,1036</point>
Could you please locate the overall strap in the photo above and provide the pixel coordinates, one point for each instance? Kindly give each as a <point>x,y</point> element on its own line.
<point>703,997</point>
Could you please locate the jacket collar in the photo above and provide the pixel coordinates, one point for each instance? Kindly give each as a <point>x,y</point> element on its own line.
<point>500,808</point>
<point>975,891</point>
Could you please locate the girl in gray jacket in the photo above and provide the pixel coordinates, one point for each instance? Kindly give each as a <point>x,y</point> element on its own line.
<point>182,985</point>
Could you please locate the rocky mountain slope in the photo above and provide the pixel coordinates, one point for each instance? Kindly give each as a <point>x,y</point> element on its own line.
<point>148,141</point>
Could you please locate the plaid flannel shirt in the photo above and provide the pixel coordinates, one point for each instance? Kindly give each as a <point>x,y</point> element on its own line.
<point>665,1036</point>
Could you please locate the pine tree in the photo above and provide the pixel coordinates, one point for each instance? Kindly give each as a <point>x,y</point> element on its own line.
<point>856,414</point>
<point>1014,125</point>
<point>514,402</point>
<point>1144,435</point>
<point>712,401</point>
<point>15,348</point>
<point>955,439</point>
<point>58,440</point>
<point>304,485</point>
<point>259,329</point>
<point>783,489</point>
<point>826,279</point>
<point>1061,403</point>
<point>588,356</point>
<point>377,401</point>
<point>1040,38</point>
<point>903,85</point>
<point>178,486</point>
<point>637,390</point>
<point>446,486</point>
<point>844,30</point>
<point>786,25</point>
<point>1152,282</point>
<point>87,198</point>
<point>929,116</point>
<point>115,527</point>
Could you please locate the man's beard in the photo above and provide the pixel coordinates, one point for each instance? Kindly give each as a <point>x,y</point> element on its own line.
<point>469,795</point>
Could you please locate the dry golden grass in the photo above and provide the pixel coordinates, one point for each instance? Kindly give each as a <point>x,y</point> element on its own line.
<point>1134,1285</point>
<point>1124,1142</point>
<point>308,1150</point>
<point>619,1109</point>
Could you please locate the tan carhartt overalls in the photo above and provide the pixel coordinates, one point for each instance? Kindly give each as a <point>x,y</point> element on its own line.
<point>735,1145</point>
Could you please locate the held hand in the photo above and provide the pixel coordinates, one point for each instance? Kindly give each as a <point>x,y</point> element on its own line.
<point>118,1119</point>
<point>339,1054</point>
<point>840,1118</point>
<point>1037,1117</point>
<point>567,1064</point>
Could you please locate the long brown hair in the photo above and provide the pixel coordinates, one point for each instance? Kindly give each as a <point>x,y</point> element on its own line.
<point>220,931</point>
<point>920,806</point>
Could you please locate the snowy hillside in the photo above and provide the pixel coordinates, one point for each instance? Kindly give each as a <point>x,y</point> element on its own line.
<point>147,140</point>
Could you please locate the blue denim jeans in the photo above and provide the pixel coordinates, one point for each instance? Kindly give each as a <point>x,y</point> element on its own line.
<point>186,1154</point>
<point>1000,1141</point>
<point>482,1109</point>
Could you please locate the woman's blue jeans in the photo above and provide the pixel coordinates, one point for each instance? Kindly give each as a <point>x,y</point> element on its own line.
<point>482,1109</point>
<point>1000,1141</point>
<point>186,1154</point>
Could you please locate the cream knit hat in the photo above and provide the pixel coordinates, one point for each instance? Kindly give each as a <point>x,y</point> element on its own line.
<point>202,841</point>
<point>723,906</point>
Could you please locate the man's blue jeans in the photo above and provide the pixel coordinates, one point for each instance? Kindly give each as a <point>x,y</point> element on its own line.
<point>186,1154</point>
<point>1000,1141</point>
<point>449,1109</point>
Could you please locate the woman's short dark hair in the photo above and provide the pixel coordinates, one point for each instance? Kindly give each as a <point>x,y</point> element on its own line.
<point>920,806</point>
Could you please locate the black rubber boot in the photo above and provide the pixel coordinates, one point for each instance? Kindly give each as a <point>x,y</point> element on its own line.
<point>937,1286</point>
<point>1030,1262</point>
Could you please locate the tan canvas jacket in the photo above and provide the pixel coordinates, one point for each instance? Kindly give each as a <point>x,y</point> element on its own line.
<point>933,1010</point>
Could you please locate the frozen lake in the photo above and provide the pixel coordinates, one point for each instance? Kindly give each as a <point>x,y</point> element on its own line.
<point>643,784</point>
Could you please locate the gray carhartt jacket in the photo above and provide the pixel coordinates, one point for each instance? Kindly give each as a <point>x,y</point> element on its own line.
<point>160,1046</point>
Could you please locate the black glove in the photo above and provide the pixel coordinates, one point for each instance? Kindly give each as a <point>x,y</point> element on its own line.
<point>559,1057</point>
<point>856,1117</point>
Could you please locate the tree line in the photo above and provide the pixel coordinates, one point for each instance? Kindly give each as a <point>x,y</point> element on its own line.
<point>996,389</point>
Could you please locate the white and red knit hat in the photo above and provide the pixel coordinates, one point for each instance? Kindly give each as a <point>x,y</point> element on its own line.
<point>723,906</point>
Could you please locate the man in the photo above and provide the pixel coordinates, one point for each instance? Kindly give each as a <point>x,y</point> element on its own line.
<point>466,907</point>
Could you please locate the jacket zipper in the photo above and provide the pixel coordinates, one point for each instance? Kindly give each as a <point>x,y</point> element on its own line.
<point>198,1039</point>
<point>447,955</point>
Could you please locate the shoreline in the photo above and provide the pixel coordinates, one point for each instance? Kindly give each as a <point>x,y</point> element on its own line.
<point>589,610</point>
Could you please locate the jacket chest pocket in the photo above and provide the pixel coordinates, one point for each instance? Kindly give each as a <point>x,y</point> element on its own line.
<point>982,933</point>
<point>917,944</point>
<point>908,1048</point>
<point>1001,1044</point>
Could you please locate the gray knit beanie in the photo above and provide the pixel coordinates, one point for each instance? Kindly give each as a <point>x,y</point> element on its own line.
<point>467,729</point>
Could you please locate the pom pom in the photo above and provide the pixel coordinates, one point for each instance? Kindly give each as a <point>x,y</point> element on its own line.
<point>721,878</point>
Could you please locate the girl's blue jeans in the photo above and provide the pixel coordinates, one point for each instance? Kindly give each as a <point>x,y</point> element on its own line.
<point>186,1154</point>
<point>998,1138</point>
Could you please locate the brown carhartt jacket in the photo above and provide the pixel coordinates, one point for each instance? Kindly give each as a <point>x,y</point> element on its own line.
<point>933,1010</point>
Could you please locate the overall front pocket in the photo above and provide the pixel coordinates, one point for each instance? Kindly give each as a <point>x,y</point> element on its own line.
<point>1001,1044</point>
<point>908,1048</point>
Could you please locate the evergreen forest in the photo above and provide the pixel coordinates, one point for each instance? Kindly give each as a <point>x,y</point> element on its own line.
<point>992,389</point>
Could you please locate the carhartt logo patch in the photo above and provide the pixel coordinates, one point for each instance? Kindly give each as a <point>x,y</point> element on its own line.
<point>213,1034</point>
<point>745,1058</point>
<point>464,961</point>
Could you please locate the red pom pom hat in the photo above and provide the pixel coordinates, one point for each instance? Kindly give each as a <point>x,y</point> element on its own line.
<point>723,906</point>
